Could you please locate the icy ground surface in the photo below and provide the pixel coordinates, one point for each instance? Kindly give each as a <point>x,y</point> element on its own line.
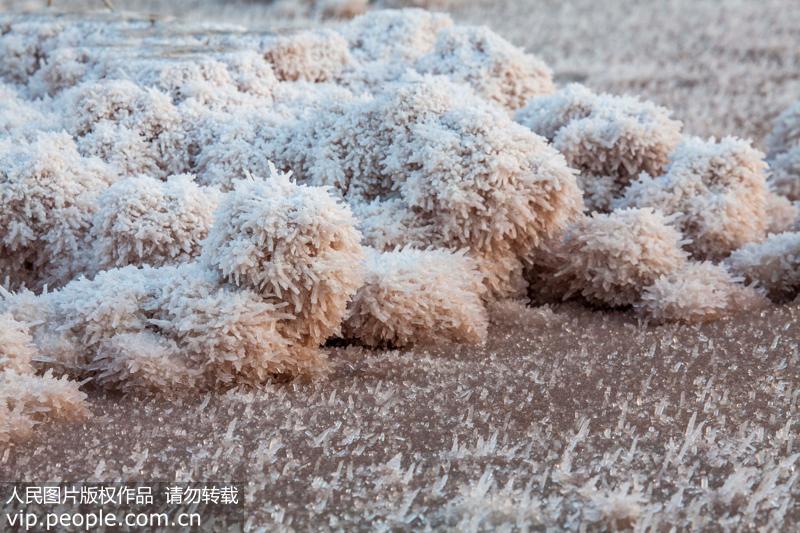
<point>564,418</point>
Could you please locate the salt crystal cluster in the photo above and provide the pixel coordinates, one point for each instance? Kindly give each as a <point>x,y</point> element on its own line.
<point>428,163</point>
<point>293,245</point>
<point>610,258</point>
<point>609,139</point>
<point>713,201</point>
<point>418,296</point>
<point>314,56</point>
<point>717,190</point>
<point>394,35</point>
<point>49,196</point>
<point>19,117</point>
<point>494,68</point>
<point>785,177</point>
<point>27,399</point>
<point>142,220</point>
<point>782,214</point>
<point>153,246</point>
<point>148,254</point>
<point>122,123</point>
<point>700,292</point>
<point>270,285</point>
<point>773,264</point>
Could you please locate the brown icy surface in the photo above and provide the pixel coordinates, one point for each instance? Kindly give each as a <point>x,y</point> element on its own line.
<point>567,417</point>
<point>722,67</point>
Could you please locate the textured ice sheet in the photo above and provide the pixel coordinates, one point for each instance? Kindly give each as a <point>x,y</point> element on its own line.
<point>566,416</point>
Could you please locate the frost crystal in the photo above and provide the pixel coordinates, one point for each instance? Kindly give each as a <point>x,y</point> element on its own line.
<point>440,165</point>
<point>611,258</point>
<point>773,264</point>
<point>49,196</point>
<point>717,190</point>
<point>145,221</point>
<point>493,67</point>
<point>271,284</point>
<point>418,296</point>
<point>602,134</point>
<point>785,178</point>
<point>697,293</point>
